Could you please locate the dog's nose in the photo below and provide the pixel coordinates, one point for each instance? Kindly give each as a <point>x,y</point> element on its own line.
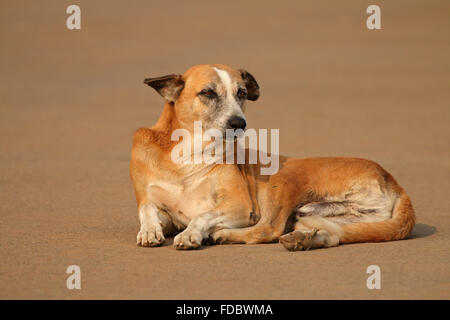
<point>236,123</point>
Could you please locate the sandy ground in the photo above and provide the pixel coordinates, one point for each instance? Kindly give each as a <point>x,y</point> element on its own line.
<point>71,100</point>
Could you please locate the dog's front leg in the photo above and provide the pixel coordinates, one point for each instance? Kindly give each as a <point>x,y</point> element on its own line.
<point>151,232</point>
<point>202,225</point>
<point>196,231</point>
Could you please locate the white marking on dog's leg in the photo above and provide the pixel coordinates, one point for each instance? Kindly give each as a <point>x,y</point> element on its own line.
<point>151,233</point>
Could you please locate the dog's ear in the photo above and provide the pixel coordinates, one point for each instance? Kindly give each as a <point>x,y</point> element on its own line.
<point>169,87</point>
<point>250,84</point>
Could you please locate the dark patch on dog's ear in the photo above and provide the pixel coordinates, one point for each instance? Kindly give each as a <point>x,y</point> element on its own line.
<point>169,87</point>
<point>251,85</point>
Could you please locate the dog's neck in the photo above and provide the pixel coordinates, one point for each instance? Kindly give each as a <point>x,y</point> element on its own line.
<point>167,121</point>
<point>161,135</point>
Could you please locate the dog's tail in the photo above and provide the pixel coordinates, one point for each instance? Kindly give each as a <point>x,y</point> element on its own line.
<point>398,227</point>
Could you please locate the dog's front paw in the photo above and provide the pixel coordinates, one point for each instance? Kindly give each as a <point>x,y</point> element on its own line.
<point>150,237</point>
<point>188,239</point>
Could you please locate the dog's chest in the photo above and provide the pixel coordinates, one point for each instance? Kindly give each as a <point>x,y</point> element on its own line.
<point>183,199</point>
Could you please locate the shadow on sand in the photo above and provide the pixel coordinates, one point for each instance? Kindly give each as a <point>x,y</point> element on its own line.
<point>422,230</point>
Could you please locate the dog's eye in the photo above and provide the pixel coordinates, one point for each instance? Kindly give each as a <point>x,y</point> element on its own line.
<point>242,94</point>
<point>208,93</point>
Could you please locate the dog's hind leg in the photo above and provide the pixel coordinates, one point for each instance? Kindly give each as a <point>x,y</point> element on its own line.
<point>372,225</point>
<point>312,233</point>
<point>313,230</point>
<point>267,230</point>
<point>261,233</point>
<point>327,209</point>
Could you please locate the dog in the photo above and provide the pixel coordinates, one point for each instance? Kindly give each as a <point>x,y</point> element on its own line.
<point>308,204</point>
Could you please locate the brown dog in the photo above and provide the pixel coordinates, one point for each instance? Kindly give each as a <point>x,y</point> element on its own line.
<point>308,203</point>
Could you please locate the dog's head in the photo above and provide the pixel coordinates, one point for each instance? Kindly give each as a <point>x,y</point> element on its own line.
<point>213,94</point>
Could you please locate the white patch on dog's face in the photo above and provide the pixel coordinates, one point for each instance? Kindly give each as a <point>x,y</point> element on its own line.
<point>230,106</point>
